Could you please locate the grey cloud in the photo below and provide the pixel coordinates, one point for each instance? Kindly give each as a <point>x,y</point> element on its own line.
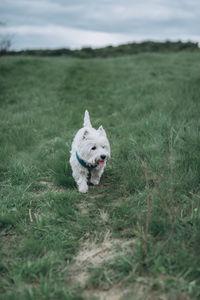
<point>133,18</point>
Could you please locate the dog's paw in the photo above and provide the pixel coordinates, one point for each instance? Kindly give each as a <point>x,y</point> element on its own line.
<point>83,188</point>
<point>94,181</point>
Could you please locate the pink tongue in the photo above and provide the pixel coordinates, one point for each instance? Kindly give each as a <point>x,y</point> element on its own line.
<point>101,162</point>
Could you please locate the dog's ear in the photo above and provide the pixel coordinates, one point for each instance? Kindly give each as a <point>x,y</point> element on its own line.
<point>101,131</point>
<point>85,134</point>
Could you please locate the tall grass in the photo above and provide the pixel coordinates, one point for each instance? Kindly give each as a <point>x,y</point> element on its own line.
<point>149,106</point>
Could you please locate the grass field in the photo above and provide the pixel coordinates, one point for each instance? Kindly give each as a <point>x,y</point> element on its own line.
<point>137,235</point>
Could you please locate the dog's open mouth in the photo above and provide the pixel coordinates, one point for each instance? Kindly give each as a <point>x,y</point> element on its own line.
<point>101,162</point>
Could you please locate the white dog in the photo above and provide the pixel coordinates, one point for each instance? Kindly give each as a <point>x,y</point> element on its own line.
<point>89,153</point>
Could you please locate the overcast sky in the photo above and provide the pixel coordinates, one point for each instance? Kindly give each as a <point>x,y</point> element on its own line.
<point>96,23</point>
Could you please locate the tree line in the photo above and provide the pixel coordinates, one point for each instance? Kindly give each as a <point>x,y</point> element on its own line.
<point>110,51</point>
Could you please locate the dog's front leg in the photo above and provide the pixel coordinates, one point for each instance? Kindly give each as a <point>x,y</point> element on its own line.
<point>96,176</point>
<point>82,184</point>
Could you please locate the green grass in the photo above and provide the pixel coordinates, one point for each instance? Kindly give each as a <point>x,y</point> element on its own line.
<point>150,191</point>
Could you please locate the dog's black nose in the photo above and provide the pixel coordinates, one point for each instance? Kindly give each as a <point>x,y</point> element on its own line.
<point>103,156</point>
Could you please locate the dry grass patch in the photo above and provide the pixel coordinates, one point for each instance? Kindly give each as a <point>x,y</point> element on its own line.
<point>52,187</point>
<point>93,255</point>
<point>112,294</point>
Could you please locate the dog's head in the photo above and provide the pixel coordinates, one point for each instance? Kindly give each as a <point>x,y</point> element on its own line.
<point>94,147</point>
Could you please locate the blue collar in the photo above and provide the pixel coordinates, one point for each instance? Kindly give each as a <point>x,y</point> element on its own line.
<point>84,164</point>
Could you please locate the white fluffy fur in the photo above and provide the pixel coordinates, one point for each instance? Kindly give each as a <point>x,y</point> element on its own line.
<point>91,145</point>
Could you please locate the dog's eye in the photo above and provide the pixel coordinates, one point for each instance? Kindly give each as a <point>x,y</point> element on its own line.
<point>103,147</point>
<point>94,148</point>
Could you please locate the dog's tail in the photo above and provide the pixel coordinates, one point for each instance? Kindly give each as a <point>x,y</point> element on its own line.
<point>87,122</point>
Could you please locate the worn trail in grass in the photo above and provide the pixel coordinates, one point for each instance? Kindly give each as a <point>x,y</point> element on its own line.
<point>136,236</point>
